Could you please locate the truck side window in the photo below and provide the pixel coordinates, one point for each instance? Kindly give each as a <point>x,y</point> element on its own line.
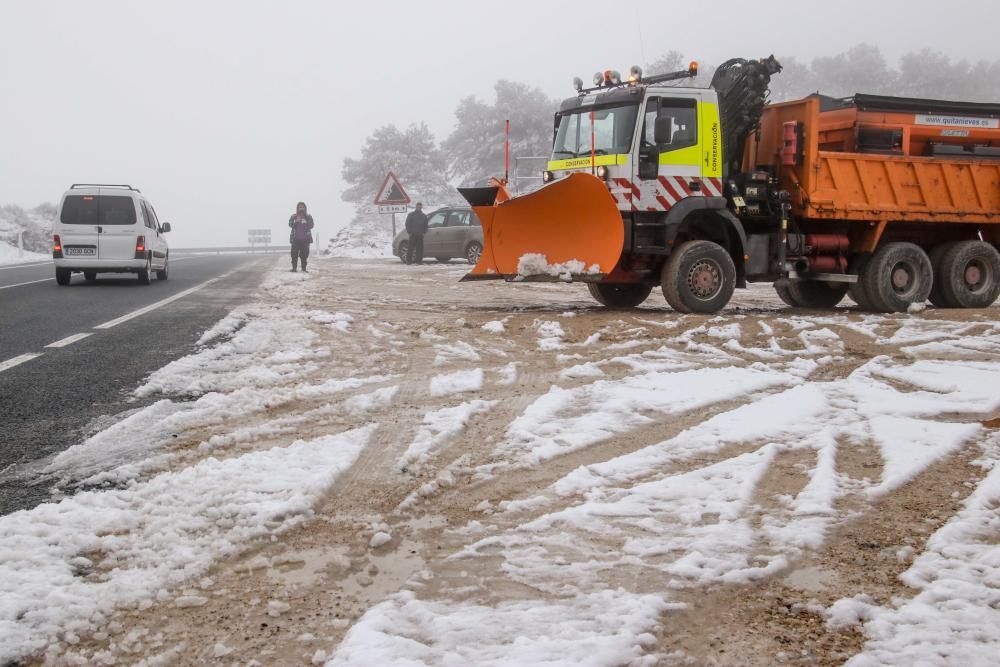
<point>685,121</point>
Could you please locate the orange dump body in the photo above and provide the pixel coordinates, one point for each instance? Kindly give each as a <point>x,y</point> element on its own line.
<point>879,167</point>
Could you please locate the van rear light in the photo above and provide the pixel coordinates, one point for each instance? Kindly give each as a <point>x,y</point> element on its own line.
<point>56,247</point>
<point>140,247</point>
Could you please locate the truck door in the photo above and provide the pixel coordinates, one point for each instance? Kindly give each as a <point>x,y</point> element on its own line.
<point>670,169</point>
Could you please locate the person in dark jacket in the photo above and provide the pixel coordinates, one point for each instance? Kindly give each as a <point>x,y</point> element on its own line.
<point>300,235</point>
<point>416,227</point>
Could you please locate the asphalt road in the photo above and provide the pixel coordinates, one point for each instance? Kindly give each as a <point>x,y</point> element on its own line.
<point>70,355</point>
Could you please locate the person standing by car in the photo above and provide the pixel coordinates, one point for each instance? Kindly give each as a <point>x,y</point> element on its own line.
<point>300,235</point>
<point>416,227</point>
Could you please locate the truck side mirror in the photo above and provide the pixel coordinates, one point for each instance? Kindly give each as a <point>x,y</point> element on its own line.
<point>663,130</point>
<point>165,227</point>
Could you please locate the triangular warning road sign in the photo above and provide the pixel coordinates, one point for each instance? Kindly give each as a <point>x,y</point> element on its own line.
<point>391,192</point>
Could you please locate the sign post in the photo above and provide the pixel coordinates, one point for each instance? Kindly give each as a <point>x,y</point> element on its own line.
<point>392,199</point>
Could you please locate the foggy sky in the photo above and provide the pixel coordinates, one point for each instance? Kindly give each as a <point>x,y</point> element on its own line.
<point>227,113</point>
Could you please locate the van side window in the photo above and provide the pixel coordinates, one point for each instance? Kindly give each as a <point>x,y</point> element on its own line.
<point>155,222</point>
<point>146,215</point>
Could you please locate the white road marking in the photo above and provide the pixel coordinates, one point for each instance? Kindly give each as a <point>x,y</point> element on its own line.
<point>68,340</point>
<point>153,306</point>
<point>10,363</point>
<point>22,266</point>
<point>30,282</point>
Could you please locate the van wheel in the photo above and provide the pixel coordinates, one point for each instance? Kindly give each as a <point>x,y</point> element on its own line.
<point>619,295</point>
<point>698,277</point>
<point>898,275</point>
<point>473,253</point>
<point>161,274</point>
<point>970,275</point>
<point>90,275</point>
<point>63,276</point>
<point>810,293</point>
<point>404,248</point>
<point>144,274</point>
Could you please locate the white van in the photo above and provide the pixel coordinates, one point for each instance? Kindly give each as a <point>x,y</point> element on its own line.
<point>108,229</point>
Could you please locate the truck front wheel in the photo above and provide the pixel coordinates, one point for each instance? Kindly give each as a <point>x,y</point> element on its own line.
<point>898,274</point>
<point>810,293</point>
<point>698,277</point>
<point>619,295</point>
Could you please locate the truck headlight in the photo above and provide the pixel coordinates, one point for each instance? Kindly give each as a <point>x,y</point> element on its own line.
<point>602,172</point>
<point>547,177</point>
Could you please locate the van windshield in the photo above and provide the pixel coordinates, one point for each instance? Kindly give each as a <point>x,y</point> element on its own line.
<point>98,210</point>
<point>612,131</point>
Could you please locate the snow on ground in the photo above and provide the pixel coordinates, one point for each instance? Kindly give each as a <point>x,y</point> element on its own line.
<point>370,464</point>
<point>10,255</point>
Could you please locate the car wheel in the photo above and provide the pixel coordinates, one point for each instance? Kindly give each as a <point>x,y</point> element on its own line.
<point>898,274</point>
<point>90,275</point>
<point>810,293</point>
<point>619,295</point>
<point>970,275</point>
<point>473,253</point>
<point>404,247</point>
<point>145,273</point>
<point>63,276</point>
<point>162,274</point>
<point>698,277</point>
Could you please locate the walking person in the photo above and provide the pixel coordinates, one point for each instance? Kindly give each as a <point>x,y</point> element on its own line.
<point>300,235</point>
<point>416,227</point>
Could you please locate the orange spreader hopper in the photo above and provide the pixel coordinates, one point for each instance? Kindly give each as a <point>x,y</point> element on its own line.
<point>574,219</point>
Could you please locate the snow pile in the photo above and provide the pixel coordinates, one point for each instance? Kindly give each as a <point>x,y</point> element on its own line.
<point>438,427</point>
<point>34,226</point>
<point>955,619</point>
<point>602,629</point>
<point>66,566</point>
<point>367,235</point>
<point>457,383</point>
<point>263,352</point>
<point>9,254</point>
<point>534,264</point>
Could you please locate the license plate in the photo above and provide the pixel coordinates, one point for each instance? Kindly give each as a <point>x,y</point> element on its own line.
<point>80,251</point>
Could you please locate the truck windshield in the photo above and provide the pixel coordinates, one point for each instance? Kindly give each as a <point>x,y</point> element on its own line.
<point>613,128</point>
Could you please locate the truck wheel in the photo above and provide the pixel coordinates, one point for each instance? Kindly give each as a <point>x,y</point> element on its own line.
<point>404,247</point>
<point>897,275</point>
<point>619,295</point>
<point>63,276</point>
<point>857,290</point>
<point>810,293</point>
<point>698,277</point>
<point>936,254</point>
<point>970,275</point>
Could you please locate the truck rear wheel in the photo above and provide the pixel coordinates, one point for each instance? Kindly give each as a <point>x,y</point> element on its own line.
<point>937,296</point>
<point>810,293</point>
<point>898,274</point>
<point>970,275</point>
<point>698,277</point>
<point>619,295</point>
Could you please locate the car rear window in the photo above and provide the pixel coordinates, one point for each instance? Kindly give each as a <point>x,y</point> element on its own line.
<point>98,210</point>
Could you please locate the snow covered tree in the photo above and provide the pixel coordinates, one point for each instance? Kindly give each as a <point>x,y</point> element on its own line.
<point>412,154</point>
<point>475,148</point>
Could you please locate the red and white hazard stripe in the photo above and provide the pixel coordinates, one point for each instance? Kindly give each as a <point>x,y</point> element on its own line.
<point>663,193</point>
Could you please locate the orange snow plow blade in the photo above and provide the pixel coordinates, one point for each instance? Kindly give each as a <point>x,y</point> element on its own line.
<point>569,229</point>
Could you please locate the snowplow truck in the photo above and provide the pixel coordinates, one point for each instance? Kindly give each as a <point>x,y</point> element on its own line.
<point>704,190</point>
